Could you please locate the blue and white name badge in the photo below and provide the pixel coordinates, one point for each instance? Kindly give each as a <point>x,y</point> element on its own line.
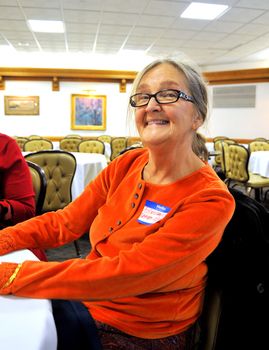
<point>152,212</point>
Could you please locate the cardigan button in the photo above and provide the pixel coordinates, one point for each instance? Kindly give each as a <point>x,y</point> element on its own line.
<point>132,204</point>
<point>110,229</point>
<point>118,222</point>
<point>140,186</point>
<point>136,195</point>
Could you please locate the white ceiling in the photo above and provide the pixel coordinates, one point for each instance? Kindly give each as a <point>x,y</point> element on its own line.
<point>106,26</point>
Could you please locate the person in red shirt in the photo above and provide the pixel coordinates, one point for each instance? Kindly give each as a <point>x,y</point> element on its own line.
<point>17,197</point>
<point>154,214</point>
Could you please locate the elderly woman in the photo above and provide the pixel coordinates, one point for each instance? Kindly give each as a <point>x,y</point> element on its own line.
<point>154,215</point>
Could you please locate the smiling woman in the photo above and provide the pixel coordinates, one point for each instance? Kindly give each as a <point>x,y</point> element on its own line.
<point>168,115</point>
<point>154,215</point>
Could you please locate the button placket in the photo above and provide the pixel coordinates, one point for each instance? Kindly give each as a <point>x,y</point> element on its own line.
<point>136,195</point>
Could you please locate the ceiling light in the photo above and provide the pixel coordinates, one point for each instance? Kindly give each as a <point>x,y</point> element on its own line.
<point>23,44</point>
<point>7,49</point>
<point>198,10</point>
<point>46,26</point>
<point>261,55</point>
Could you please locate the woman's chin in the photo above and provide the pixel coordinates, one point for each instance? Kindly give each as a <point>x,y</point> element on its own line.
<point>154,138</point>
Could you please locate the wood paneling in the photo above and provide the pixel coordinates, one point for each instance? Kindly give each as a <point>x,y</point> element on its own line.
<point>58,75</point>
<point>121,77</point>
<point>259,75</point>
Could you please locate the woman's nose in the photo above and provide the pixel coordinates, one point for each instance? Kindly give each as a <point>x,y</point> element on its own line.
<point>153,105</point>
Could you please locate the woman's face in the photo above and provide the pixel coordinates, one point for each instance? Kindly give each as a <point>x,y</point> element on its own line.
<point>161,123</point>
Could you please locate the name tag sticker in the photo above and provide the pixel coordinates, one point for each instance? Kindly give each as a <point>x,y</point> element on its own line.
<point>152,212</point>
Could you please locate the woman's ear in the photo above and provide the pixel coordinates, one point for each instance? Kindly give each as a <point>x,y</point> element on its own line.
<point>197,121</point>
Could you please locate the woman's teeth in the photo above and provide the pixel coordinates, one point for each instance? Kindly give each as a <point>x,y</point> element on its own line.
<point>159,122</point>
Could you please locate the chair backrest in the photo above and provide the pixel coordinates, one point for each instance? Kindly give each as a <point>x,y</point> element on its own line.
<point>21,141</point>
<point>218,148</point>
<point>255,146</point>
<point>238,157</point>
<point>92,146</point>
<point>130,148</point>
<point>117,145</point>
<point>39,184</point>
<point>105,138</point>
<point>73,136</point>
<point>35,137</point>
<point>133,140</point>
<point>260,139</point>
<point>37,145</point>
<point>70,144</point>
<point>225,158</point>
<point>59,167</point>
<point>239,268</point>
<point>208,324</point>
<point>217,138</point>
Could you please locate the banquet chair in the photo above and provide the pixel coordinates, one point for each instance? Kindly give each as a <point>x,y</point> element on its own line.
<point>255,146</point>
<point>105,138</point>
<point>21,141</point>
<point>59,167</point>
<point>73,136</point>
<point>238,173</point>
<point>117,145</point>
<point>218,163</point>
<point>237,271</point>
<point>70,144</point>
<point>133,140</point>
<point>35,137</point>
<point>217,138</point>
<point>260,139</point>
<point>91,146</point>
<point>130,148</point>
<point>37,145</point>
<point>39,184</point>
<point>207,328</point>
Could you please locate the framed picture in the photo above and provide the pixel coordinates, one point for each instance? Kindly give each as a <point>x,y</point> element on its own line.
<point>22,105</point>
<point>88,112</point>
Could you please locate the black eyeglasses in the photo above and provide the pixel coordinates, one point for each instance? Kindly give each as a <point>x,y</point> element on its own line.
<point>162,97</point>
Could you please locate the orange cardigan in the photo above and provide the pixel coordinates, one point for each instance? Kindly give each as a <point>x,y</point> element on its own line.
<point>144,279</point>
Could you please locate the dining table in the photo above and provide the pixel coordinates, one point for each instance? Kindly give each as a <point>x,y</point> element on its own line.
<point>26,323</point>
<point>89,165</point>
<point>56,146</point>
<point>259,163</point>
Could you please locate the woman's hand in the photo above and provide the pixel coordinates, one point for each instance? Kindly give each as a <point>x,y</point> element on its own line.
<point>5,212</point>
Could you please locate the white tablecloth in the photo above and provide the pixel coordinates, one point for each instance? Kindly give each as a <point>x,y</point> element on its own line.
<point>259,163</point>
<point>56,145</point>
<point>26,323</point>
<point>89,166</point>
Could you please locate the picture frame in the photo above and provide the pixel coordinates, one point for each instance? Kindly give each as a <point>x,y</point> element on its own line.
<point>88,112</point>
<point>21,105</point>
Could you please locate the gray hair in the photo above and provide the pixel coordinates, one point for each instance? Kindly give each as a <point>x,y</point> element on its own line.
<point>195,83</point>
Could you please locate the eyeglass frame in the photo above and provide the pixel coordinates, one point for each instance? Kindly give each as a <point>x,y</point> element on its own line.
<point>180,94</point>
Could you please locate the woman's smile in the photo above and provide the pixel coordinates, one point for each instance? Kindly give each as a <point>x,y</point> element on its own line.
<point>157,122</point>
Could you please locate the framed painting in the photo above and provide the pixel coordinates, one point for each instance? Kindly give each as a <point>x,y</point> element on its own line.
<point>88,112</point>
<point>21,105</point>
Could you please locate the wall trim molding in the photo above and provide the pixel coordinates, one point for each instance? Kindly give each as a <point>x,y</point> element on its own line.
<point>55,75</point>
<point>257,75</point>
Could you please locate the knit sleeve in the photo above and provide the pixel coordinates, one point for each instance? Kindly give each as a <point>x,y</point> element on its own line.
<point>16,187</point>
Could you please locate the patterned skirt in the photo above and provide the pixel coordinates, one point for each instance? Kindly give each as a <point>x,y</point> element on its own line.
<point>113,339</point>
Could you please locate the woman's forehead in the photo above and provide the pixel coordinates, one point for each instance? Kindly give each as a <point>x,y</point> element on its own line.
<point>164,75</point>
